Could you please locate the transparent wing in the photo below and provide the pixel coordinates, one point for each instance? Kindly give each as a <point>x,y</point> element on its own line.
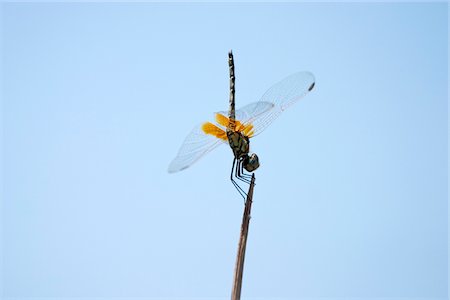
<point>194,147</point>
<point>275,100</point>
<point>249,112</point>
<point>258,114</point>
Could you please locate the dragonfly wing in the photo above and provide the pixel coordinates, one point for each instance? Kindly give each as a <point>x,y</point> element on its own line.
<point>289,90</point>
<point>249,112</point>
<point>255,117</point>
<point>275,100</point>
<point>194,147</point>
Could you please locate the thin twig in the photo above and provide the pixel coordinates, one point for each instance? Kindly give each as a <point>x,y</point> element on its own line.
<point>239,268</point>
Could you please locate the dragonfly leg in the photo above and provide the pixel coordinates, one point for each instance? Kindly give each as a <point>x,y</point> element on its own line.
<point>243,174</point>
<point>236,185</point>
<point>239,175</point>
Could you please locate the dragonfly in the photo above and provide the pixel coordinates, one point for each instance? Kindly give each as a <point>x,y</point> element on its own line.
<point>237,127</point>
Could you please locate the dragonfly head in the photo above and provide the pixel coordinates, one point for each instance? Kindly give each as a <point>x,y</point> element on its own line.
<point>251,162</point>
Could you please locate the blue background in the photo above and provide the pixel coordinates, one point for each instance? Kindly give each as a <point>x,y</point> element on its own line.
<point>351,196</point>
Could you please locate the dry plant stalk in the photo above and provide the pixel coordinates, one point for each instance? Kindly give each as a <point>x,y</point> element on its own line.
<point>239,268</point>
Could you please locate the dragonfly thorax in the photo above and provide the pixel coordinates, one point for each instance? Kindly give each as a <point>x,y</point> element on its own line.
<point>240,144</point>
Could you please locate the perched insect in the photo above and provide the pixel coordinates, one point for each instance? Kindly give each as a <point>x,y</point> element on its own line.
<point>237,127</point>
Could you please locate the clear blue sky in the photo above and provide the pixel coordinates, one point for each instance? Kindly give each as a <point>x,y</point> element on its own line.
<point>351,195</point>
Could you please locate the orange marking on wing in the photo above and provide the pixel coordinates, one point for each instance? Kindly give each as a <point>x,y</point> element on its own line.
<point>212,129</point>
<point>248,130</point>
<point>245,129</point>
<point>222,120</point>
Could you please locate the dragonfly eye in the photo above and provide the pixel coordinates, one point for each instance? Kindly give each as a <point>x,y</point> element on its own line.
<point>251,163</point>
